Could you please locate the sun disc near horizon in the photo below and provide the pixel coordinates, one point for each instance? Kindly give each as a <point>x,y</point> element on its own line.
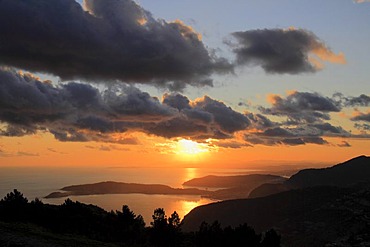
<point>189,147</point>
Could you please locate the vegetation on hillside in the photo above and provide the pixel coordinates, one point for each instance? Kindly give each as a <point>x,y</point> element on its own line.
<point>73,223</point>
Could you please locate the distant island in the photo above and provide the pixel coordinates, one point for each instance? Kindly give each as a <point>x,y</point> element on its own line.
<point>230,187</point>
<point>123,188</point>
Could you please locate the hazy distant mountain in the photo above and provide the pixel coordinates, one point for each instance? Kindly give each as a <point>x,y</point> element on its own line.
<point>333,206</point>
<point>234,187</point>
<point>231,181</point>
<point>345,174</point>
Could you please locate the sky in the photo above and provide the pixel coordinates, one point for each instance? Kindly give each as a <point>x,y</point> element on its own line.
<point>183,83</point>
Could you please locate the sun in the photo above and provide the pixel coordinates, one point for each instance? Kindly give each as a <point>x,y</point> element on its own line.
<point>189,147</point>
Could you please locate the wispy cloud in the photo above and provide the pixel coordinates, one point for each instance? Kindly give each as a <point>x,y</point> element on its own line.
<point>361,1</point>
<point>344,144</point>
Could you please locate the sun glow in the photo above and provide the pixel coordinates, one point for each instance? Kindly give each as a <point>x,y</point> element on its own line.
<point>189,147</point>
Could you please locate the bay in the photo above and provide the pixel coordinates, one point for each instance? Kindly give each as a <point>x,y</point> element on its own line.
<point>40,181</point>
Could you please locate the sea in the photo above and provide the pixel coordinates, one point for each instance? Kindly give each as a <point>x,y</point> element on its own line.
<point>37,182</point>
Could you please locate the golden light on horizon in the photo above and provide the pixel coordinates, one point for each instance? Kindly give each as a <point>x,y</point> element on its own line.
<point>189,147</point>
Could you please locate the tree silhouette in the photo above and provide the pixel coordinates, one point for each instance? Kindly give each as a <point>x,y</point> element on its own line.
<point>13,206</point>
<point>159,231</point>
<point>174,221</point>
<point>130,228</point>
<point>14,198</point>
<point>124,227</point>
<point>271,239</point>
<point>159,218</point>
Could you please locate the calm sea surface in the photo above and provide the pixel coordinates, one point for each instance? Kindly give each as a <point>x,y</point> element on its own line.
<point>40,181</point>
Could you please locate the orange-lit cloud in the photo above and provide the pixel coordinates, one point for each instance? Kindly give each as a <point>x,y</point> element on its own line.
<point>322,54</point>
<point>187,31</point>
<point>76,112</point>
<point>360,116</point>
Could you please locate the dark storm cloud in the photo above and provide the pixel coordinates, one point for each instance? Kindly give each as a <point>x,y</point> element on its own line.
<point>362,101</point>
<point>69,135</point>
<point>328,129</point>
<point>291,141</point>
<point>28,105</point>
<point>130,101</point>
<point>362,117</point>
<point>232,144</point>
<point>277,132</point>
<point>177,101</point>
<point>300,135</point>
<point>75,112</point>
<point>301,107</point>
<point>204,118</point>
<point>81,113</point>
<point>315,140</point>
<point>111,40</point>
<point>226,118</point>
<point>362,127</point>
<point>260,122</point>
<point>283,51</point>
<point>17,130</point>
<point>178,127</point>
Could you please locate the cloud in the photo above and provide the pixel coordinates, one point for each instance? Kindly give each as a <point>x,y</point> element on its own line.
<point>259,121</point>
<point>233,145</point>
<point>82,113</point>
<point>361,1</point>
<point>300,135</point>
<point>361,117</point>
<point>281,140</point>
<point>55,151</point>
<point>281,51</point>
<point>362,127</point>
<point>20,153</point>
<point>344,144</point>
<point>329,130</point>
<point>76,112</point>
<point>362,101</point>
<point>301,107</point>
<point>177,101</point>
<point>203,118</point>
<point>106,41</point>
<point>73,111</point>
<point>226,118</point>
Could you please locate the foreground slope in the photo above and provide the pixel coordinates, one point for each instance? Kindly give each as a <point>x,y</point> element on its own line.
<point>332,206</point>
<point>306,217</point>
